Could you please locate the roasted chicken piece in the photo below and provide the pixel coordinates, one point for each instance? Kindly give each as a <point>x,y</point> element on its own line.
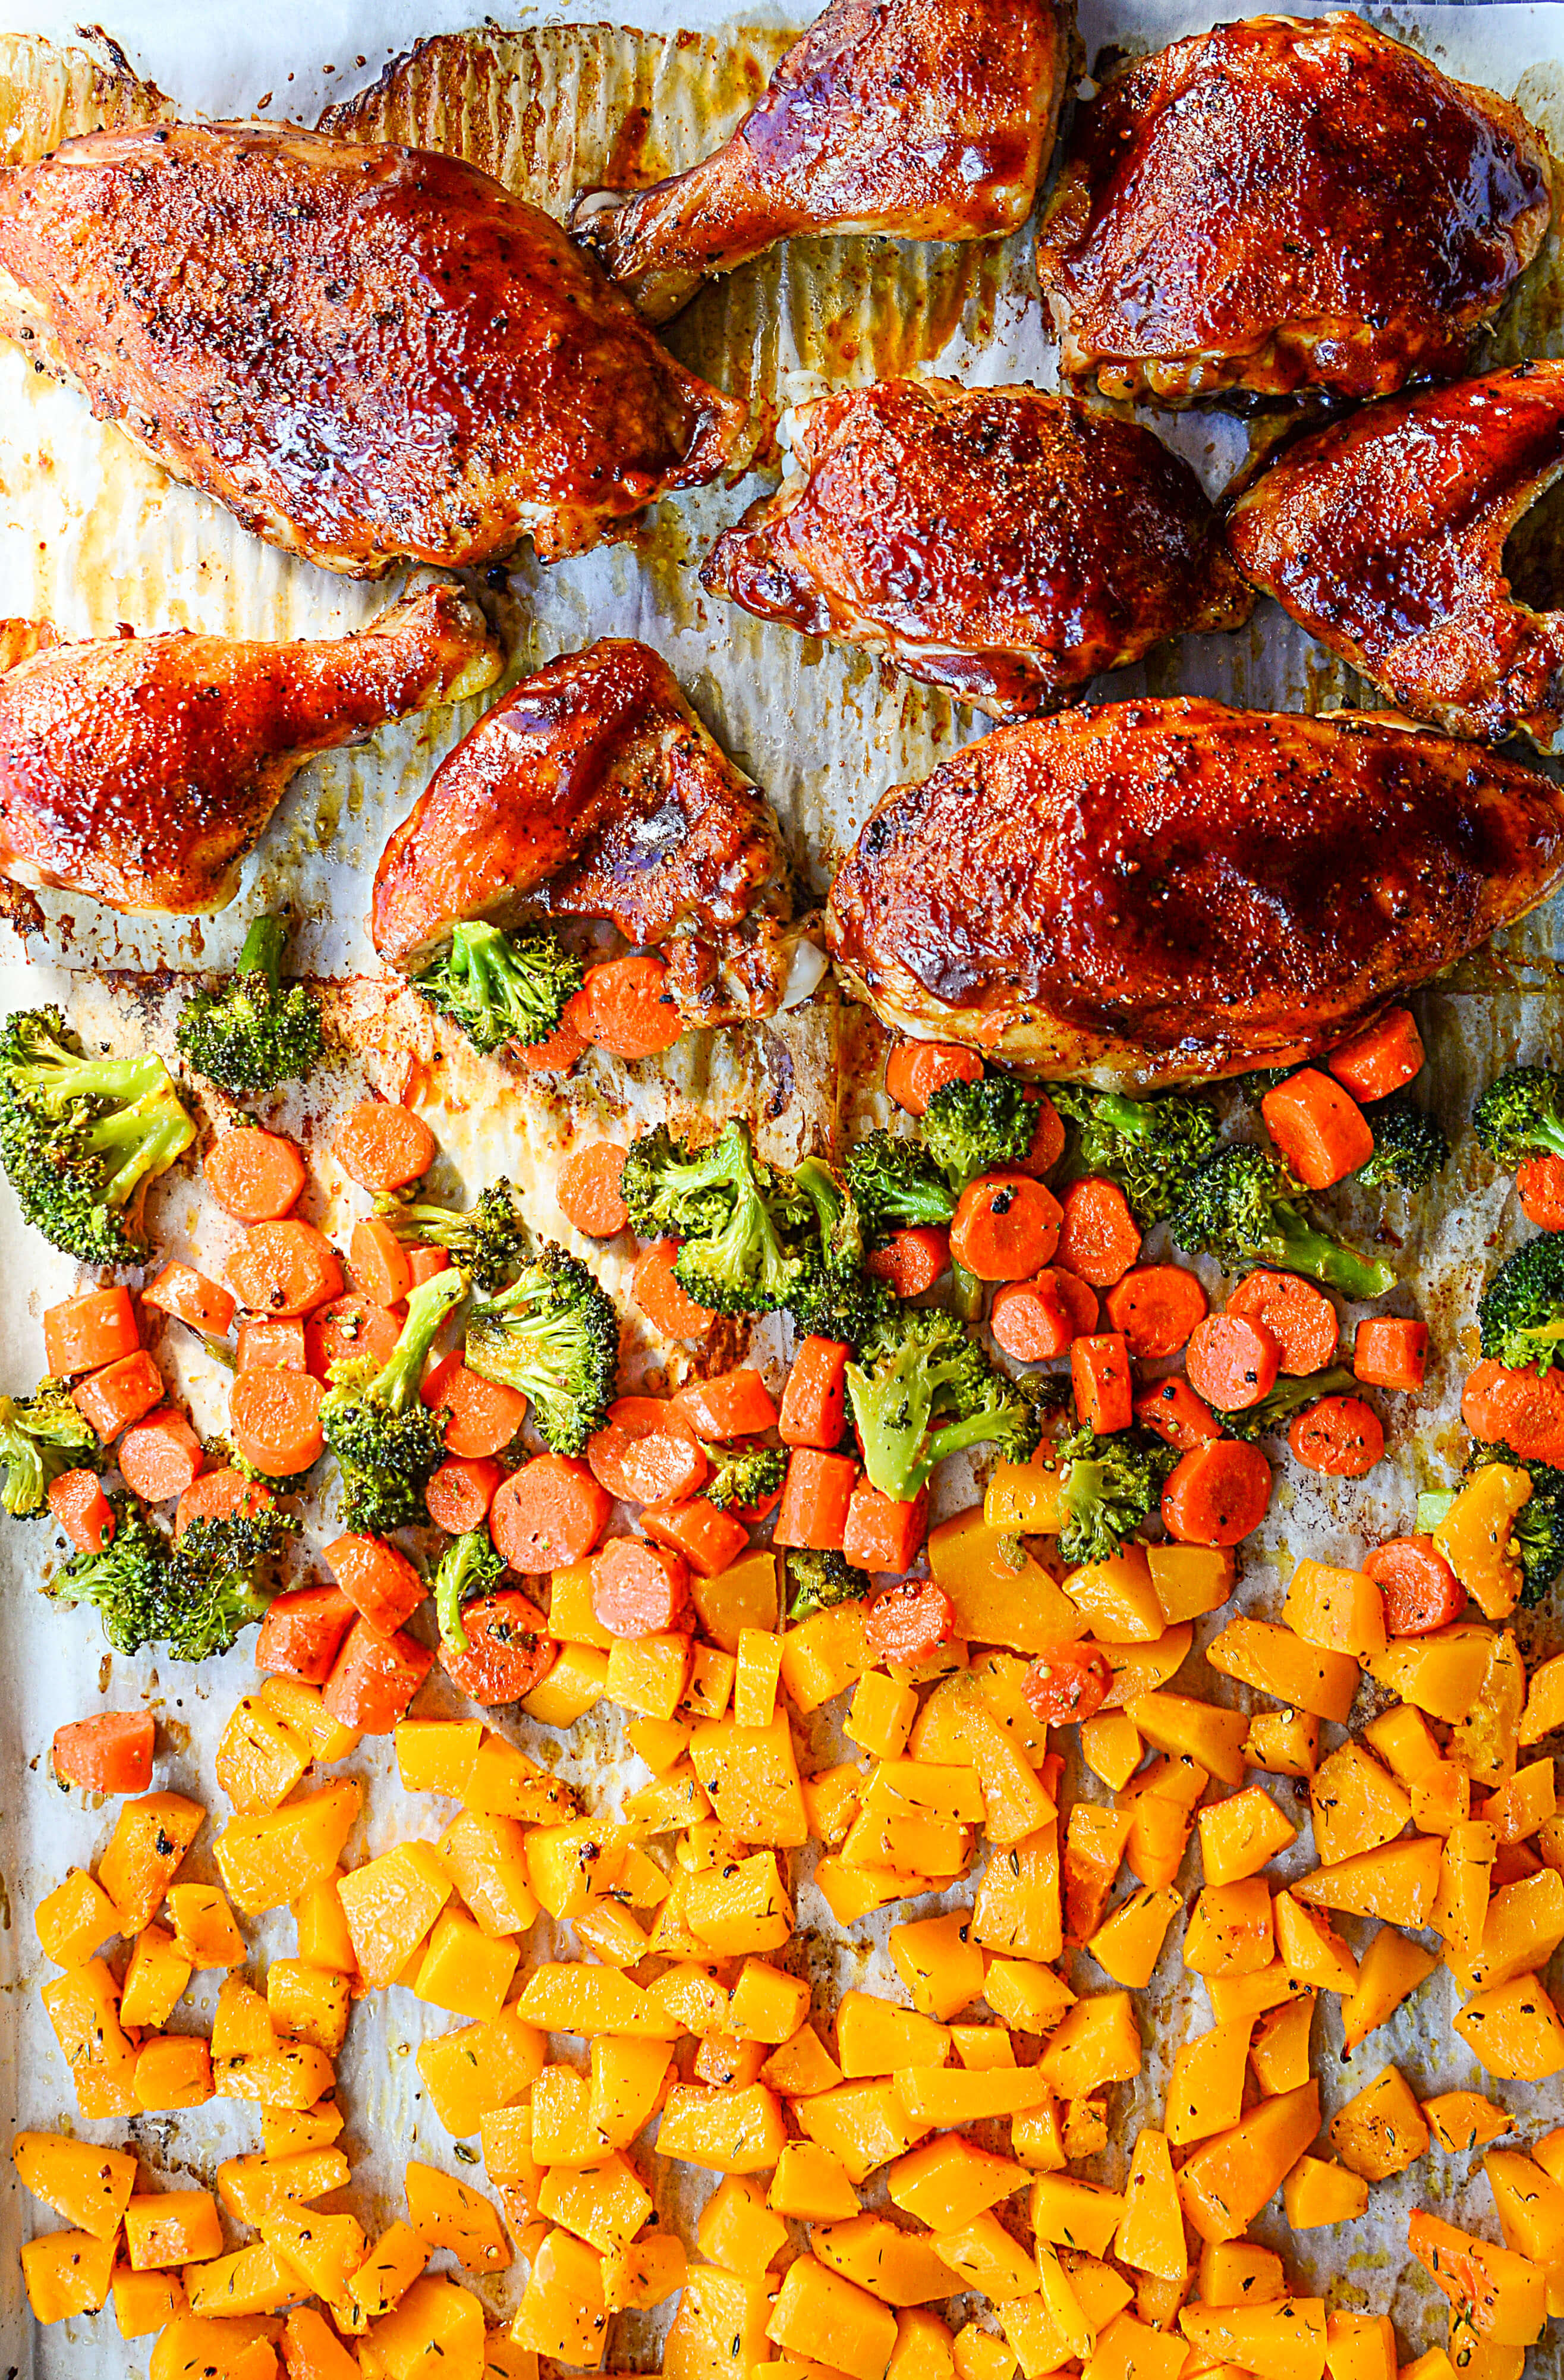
<point>927,119</point>
<point>368,353</point>
<point>1155,893</point>
<point>1286,203</point>
<point>594,791</point>
<point>141,770</point>
<point>1383,535</point>
<point>999,541</point>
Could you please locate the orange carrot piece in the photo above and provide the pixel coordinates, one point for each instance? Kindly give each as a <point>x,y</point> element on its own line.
<point>1381,1059</point>
<point>912,1259</point>
<point>549,1513</point>
<point>84,1334</point>
<point>482,1416</point>
<point>916,1070</point>
<point>1098,1237</point>
<point>908,1623</point>
<point>1539,1184</point>
<point>1421,1591</point>
<point>424,1263</point>
<point>638,1589</point>
<point>1155,1307</point>
<point>734,1404</point>
<point>78,1506</point>
<point>380,1583</point>
<point>1319,1128</point>
<point>1047,1136</point>
<point>1230,1362</point>
<point>1217,1494</point>
<point>709,1540</point>
<point>880,1533</point>
<point>509,1649</point>
<point>1340,1437</point>
<point>374,1678</point>
<point>460,1493</point>
<point>377,1262</point>
<point>1005,1228</point>
<point>554,1056</point>
<point>111,1752</point>
<point>275,1420</point>
<point>647,1452</point>
<point>588,1190</point>
<point>161,1457</point>
<point>1176,1414</point>
<point>1300,1317</point>
<point>190,1297</point>
<point>303,1632</point>
<point>272,1347</point>
<point>625,1007</point>
<point>664,1301</point>
<point>351,1328</point>
<point>814,1406</point>
<point>1067,1684</point>
<point>1391,1351</point>
<point>1100,1376</point>
<point>221,1495</point>
<point>816,1496</point>
<point>1524,1410</point>
<point>1028,1319</point>
<point>255,1176</point>
<point>383,1146</point>
<point>284,1268</point>
<point>122,1393</point>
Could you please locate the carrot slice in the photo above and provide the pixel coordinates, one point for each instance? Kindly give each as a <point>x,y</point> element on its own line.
<point>638,1589</point>
<point>1098,1237</point>
<point>303,1632</point>
<point>663,1300</point>
<point>1340,1437</point>
<point>709,1540</point>
<point>1006,1227</point>
<point>627,1008</point>
<point>1099,1377</point>
<point>554,1056</point>
<point>161,1457</point>
<point>1231,1362</point>
<point>1155,1307</point>
<point>111,1752</point>
<point>190,1297</point>
<point>1067,1683</point>
<point>377,1262</point>
<point>482,1416</point>
<point>378,1581</point>
<point>814,1406</point>
<point>255,1176</point>
<point>383,1146</point>
<point>221,1495</point>
<point>424,1263</point>
<point>1047,1136</point>
<point>1319,1128</point>
<point>1524,1410</point>
<point>1028,1319</point>
<point>1421,1591</point>
<point>880,1533</point>
<point>549,1513</point>
<point>734,1404</point>
<point>1217,1495</point>
<point>460,1493</point>
<point>912,1259</point>
<point>83,1334</point>
<point>1382,1059</point>
<point>647,1452</point>
<point>351,1328</point>
<point>509,1649</point>
<point>916,1070</point>
<point>588,1190</point>
<point>272,1347</point>
<point>284,1268</point>
<point>78,1506</point>
<point>1391,1351</point>
<point>908,1624</point>
<point>1300,1317</point>
<point>1172,1410</point>
<point>122,1393</point>
<point>274,1418</point>
<point>816,1496</point>
<point>374,1679</point>
<point>1539,1184</point>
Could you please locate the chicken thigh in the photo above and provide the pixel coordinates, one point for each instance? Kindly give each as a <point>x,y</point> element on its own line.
<point>1000,541</point>
<point>1155,892</point>
<point>594,791</point>
<point>1286,203</point>
<point>141,770</point>
<point>368,354</point>
<point>1383,535</point>
<point>927,119</point>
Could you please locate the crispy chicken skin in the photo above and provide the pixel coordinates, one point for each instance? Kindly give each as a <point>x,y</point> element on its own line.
<point>1286,203</point>
<point>1001,542</point>
<point>368,353</point>
<point>927,119</point>
<point>1383,535</point>
<point>594,791</point>
<point>1155,893</point>
<point>141,770</point>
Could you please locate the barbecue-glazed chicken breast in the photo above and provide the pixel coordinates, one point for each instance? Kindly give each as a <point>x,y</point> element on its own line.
<point>1383,535</point>
<point>926,120</point>
<point>1000,541</point>
<point>370,354</point>
<point>1286,203</point>
<point>594,791</point>
<point>141,770</point>
<point>1155,893</point>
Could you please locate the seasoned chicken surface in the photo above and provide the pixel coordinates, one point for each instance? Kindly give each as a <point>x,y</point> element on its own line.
<point>927,119</point>
<point>368,353</point>
<point>594,791</point>
<point>142,770</point>
<point>1153,892</point>
<point>1383,535</point>
<point>1000,541</point>
<point>1286,203</point>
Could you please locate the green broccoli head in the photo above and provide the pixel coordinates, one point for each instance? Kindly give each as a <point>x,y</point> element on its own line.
<point>923,1389</point>
<point>553,1334</point>
<point>489,1243</point>
<point>1151,1148</point>
<point>1521,1313</point>
<point>387,1441</point>
<point>1521,1115</point>
<point>1111,1485</point>
<point>254,1035</point>
<point>1244,1207</point>
<point>738,1221</point>
<point>126,1584</point>
<point>40,1437</point>
<point>502,988</point>
<point>220,1580</point>
<point>816,1581</point>
<point>837,1301</point>
<point>1538,1533</point>
<point>1409,1145</point>
<point>897,1185</point>
<point>1276,1408</point>
<point>973,1128</point>
<point>82,1138</point>
<point>745,1475</point>
<point>1261,1079</point>
<point>469,1566</point>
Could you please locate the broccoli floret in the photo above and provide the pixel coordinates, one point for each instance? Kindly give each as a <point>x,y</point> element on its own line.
<point>896,1184</point>
<point>82,1138</point>
<point>1521,1115</point>
<point>816,1581</point>
<point>387,1441</point>
<point>553,1334</point>
<point>838,1301</point>
<point>489,1242</point>
<point>215,1581</point>
<point>469,1566</point>
<point>1537,1532</point>
<point>38,1439</point>
<point>1521,1310</point>
<point>1261,1079</point>
<point>830,1294</point>
<point>1244,1207</point>
<point>924,1389</point>
<point>745,1474</point>
<point>254,1035</point>
<point>1409,1145</point>
<point>1110,1486</point>
<point>970,1128</point>
<point>1276,1409</point>
<point>501,987</point>
<point>734,1217</point>
<point>1149,1146</point>
<point>126,1584</point>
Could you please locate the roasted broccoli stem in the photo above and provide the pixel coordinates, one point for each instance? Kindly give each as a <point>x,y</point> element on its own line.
<point>1521,1115</point>
<point>1409,1145</point>
<point>816,1581</point>
<point>553,1334</point>
<point>469,1566</point>
<point>489,1242</point>
<point>193,1597</point>
<point>745,1475</point>
<point>501,987</point>
<point>1110,1485</point>
<point>1151,1148</point>
<point>82,1138</point>
<point>255,1034</point>
<point>40,1438</point>
<point>1521,1313</point>
<point>1537,1531</point>
<point>387,1441</point>
<point>1276,1408</point>
<point>1244,1207</point>
<point>896,1184</point>
<point>923,1389</point>
<point>972,1128</point>
<point>736,1219</point>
